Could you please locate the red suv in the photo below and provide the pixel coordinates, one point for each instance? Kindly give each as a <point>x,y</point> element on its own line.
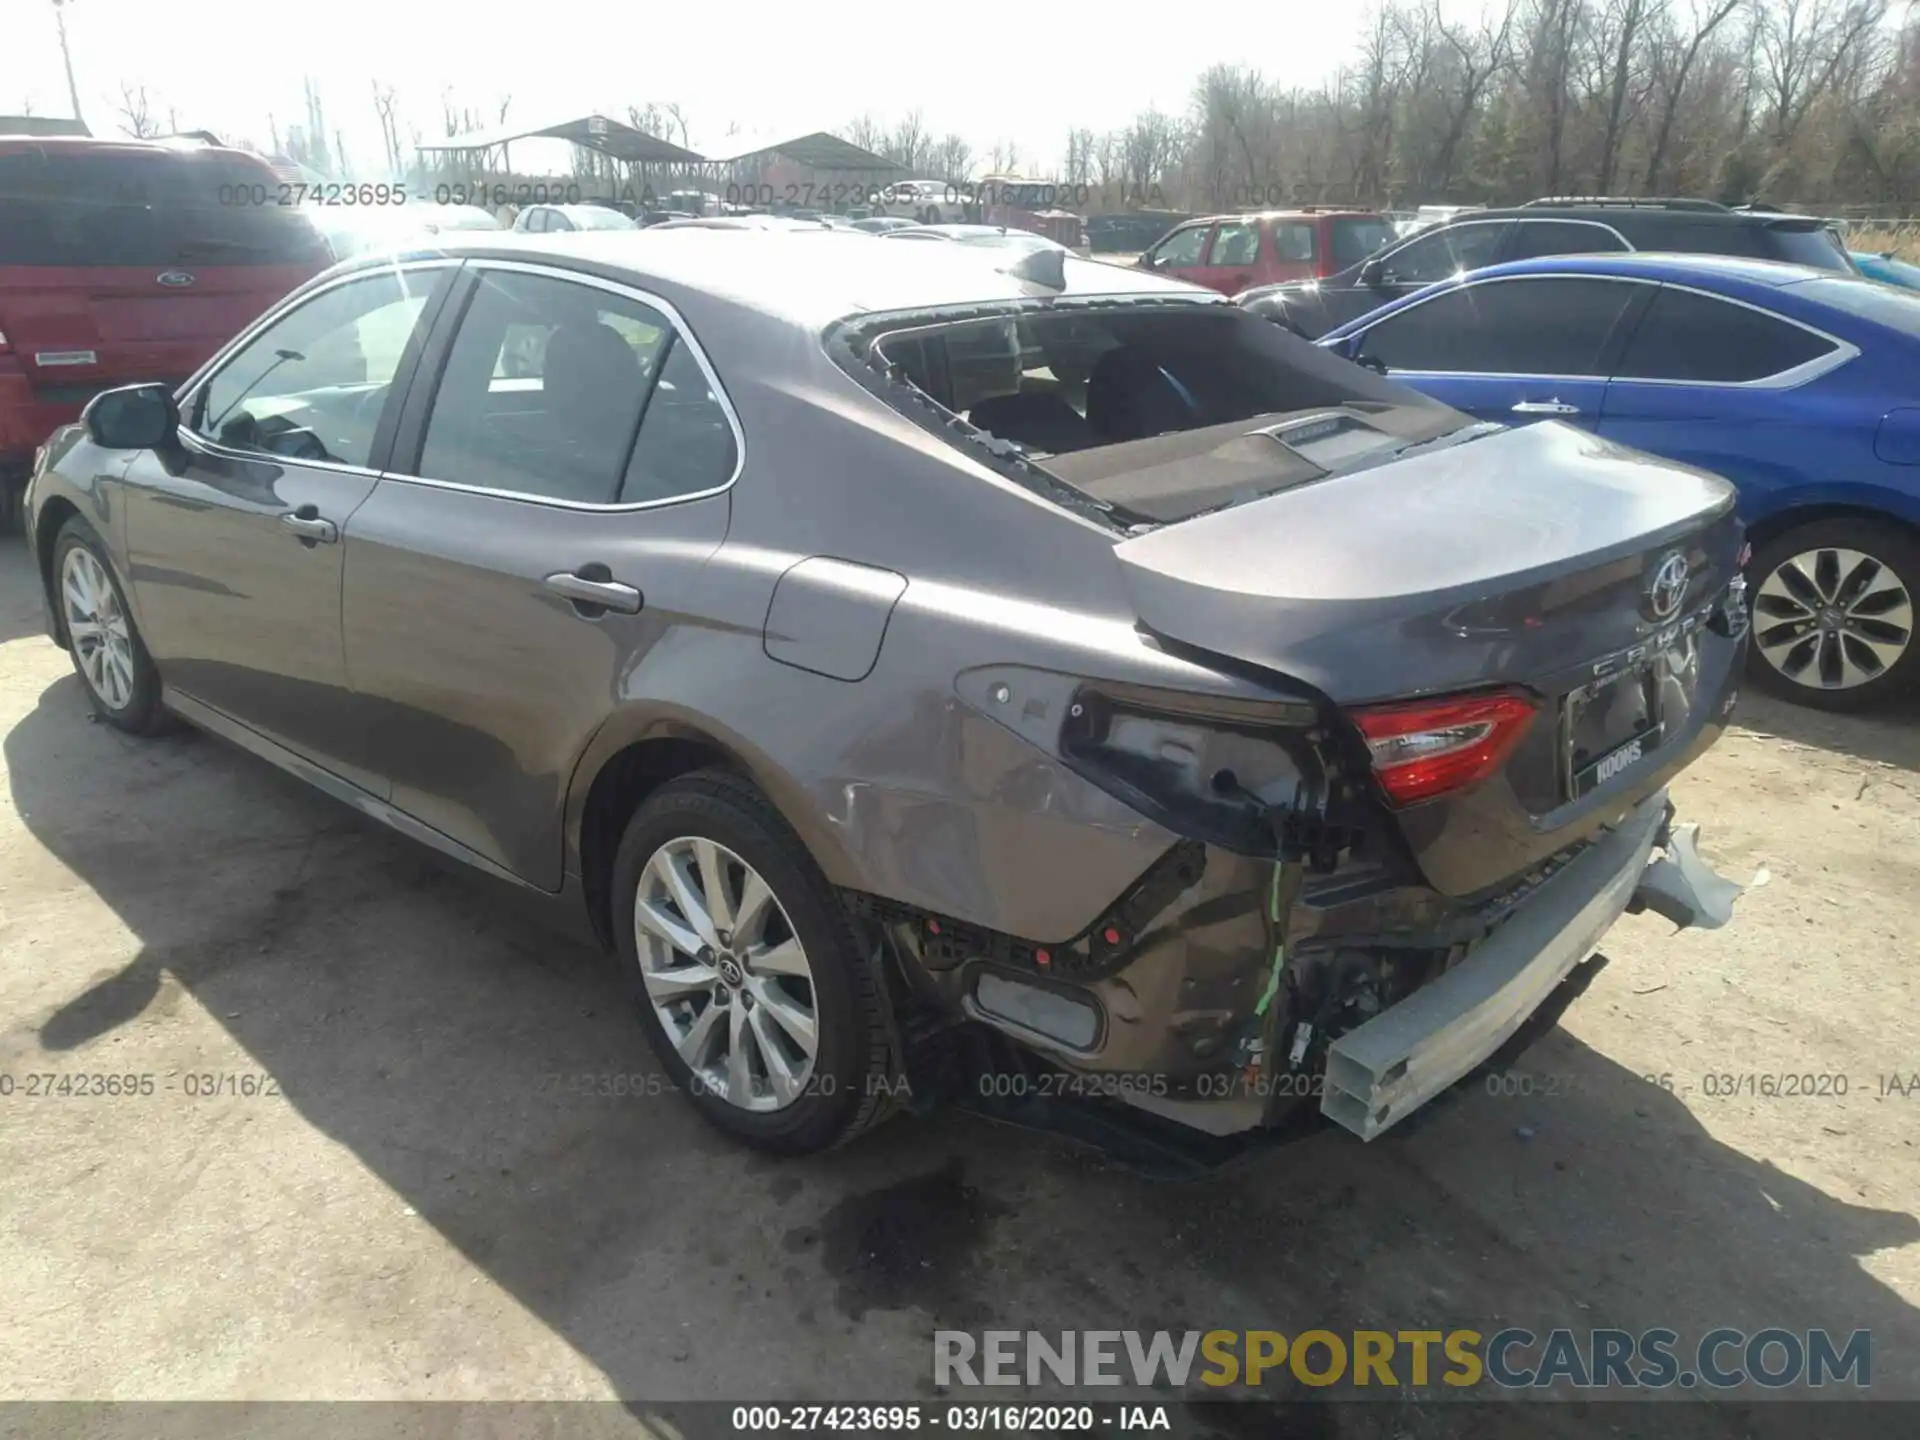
<point>1231,253</point>
<point>125,261</point>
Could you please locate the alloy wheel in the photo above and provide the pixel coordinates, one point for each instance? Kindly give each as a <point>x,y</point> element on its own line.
<point>97,628</point>
<point>1831,618</point>
<point>726,974</point>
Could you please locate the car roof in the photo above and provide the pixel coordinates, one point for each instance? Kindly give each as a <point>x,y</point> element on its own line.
<point>1317,212</point>
<point>795,277</point>
<point>1658,265</point>
<point>1629,214</point>
<point>958,231</point>
<point>61,147</point>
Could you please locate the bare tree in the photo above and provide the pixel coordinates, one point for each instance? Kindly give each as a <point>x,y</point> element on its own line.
<point>136,112</point>
<point>1079,169</point>
<point>385,108</point>
<point>866,132</point>
<point>1674,58</point>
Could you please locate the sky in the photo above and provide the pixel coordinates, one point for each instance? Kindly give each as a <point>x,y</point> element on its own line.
<point>1024,70</point>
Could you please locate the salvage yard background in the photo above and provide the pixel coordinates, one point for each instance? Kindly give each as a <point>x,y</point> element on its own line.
<point>418,1213</point>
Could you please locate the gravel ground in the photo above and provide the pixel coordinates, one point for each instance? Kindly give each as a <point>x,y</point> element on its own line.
<point>389,1198</point>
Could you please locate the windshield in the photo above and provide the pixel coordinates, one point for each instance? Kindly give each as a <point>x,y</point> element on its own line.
<point>1355,240</point>
<point>155,209</point>
<point>1074,389</point>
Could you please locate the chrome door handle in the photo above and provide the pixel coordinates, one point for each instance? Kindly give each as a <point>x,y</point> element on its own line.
<point>592,595</point>
<point>307,524</point>
<point>1545,407</point>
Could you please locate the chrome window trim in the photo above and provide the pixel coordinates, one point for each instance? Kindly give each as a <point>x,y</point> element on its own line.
<point>1788,379</point>
<point>682,332</point>
<point>182,397</point>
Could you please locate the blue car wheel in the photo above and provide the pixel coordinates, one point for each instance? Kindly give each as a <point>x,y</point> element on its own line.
<point>1833,613</point>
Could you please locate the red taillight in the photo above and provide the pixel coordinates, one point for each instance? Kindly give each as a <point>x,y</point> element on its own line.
<point>1428,748</point>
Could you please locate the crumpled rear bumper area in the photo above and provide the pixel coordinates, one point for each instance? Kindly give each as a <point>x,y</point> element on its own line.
<point>1386,1069</point>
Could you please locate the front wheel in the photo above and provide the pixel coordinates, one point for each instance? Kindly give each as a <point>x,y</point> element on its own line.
<point>123,685</point>
<point>745,971</point>
<point>1833,613</point>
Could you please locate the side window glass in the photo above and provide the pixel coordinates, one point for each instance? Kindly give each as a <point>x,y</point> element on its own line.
<point>1181,248</point>
<point>1293,242</point>
<point>543,389</point>
<point>312,385</point>
<point>536,220</point>
<point>1428,336</point>
<point>686,443</point>
<point>1236,245</point>
<point>1688,336</point>
<point>1444,253</point>
<point>1561,237</point>
<point>1549,326</point>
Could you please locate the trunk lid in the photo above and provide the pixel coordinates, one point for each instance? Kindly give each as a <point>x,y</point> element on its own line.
<point>1490,562</point>
<point>1591,577</point>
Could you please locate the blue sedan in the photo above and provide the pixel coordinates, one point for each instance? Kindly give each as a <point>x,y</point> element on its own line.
<point>1798,385</point>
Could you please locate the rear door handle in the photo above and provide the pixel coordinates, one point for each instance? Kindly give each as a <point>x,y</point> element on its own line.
<point>307,524</point>
<point>593,591</point>
<point>1545,407</point>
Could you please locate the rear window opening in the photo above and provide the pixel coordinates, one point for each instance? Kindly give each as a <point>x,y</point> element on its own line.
<point>147,209</point>
<point>1159,412</point>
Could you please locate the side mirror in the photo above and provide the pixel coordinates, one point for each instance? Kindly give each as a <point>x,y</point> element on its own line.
<point>1372,273</point>
<point>134,417</point>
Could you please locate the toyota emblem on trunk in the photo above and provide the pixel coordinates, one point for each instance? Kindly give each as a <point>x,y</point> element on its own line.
<point>1668,587</point>
<point>175,278</point>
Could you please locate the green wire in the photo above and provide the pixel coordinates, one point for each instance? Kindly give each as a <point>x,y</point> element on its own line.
<point>1280,944</point>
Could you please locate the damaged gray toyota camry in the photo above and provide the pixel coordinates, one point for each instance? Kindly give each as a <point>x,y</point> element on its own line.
<point>899,658</point>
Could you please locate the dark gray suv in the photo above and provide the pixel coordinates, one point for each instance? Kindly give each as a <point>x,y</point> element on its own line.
<point>1475,239</point>
<point>875,645</point>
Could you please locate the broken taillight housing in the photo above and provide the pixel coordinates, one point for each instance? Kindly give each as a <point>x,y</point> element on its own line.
<point>1424,749</point>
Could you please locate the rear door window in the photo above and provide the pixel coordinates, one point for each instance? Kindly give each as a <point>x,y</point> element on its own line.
<point>1561,237</point>
<point>149,210</point>
<point>1550,326</point>
<point>1442,254</point>
<point>1235,244</point>
<point>544,392</point>
<point>1688,336</point>
<point>1293,240</point>
<point>1355,239</point>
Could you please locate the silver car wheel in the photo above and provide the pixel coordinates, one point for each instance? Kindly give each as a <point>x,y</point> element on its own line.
<point>1831,619</point>
<point>726,974</point>
<point>97,628</point>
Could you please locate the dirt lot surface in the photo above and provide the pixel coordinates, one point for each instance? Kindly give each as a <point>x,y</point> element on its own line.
<point>415,1210</point>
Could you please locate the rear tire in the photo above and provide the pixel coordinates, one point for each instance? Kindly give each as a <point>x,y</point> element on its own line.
<point>1834,606</point>
<point>120,678</point>
<point>741,982</point>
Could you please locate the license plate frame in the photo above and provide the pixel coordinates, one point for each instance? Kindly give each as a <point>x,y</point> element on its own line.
<point>1619,716</point>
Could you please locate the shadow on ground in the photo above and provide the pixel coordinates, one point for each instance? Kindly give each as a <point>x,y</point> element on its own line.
<point>415,1020</point>
<point>1889,734</point>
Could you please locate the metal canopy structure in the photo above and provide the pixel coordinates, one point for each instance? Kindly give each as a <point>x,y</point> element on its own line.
<point>593,132</point>
<point>819,150</point>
